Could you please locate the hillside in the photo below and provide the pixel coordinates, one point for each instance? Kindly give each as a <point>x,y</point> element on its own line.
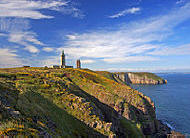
<point>73,103</point>
<point>140,78</point>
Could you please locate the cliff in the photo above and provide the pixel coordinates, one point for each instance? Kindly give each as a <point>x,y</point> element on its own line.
<point>140,78</point>
<point>73,103</point>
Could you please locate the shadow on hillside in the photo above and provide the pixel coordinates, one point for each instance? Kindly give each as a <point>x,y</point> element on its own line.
<point>32,104</point>
<point>56,120</point>
<point>110,114</point>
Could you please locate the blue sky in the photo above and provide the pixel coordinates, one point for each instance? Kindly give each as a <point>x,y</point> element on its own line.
<point>113,35</point>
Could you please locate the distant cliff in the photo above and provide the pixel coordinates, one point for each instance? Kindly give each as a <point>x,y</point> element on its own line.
<point>140,78</point>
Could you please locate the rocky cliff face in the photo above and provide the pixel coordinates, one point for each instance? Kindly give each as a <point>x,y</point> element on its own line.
<point>140,78</point>
<point>73,103</point>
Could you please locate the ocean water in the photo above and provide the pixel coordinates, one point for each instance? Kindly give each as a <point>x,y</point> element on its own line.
<point>172,100</point>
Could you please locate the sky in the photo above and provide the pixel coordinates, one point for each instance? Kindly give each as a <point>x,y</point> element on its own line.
<point>112,35</point>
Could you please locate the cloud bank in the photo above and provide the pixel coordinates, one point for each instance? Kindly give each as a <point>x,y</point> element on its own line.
<point>133,41</point>
<point>18,32</point>
<point>32,8</point>
<point>8,58</point>
<point>15,28</point>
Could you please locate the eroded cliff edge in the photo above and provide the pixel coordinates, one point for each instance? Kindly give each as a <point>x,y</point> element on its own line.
<point>73,103</point>
<point>140,78</point>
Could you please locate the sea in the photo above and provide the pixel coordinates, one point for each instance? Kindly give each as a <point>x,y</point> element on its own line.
<point>172,100</point>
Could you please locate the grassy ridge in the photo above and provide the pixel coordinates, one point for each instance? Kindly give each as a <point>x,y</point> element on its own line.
<point>36,103</point>
<point>68,102</point>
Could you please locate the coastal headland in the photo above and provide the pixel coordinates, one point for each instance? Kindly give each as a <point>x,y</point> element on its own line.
<point>74,103</point>
<point>140,78</point>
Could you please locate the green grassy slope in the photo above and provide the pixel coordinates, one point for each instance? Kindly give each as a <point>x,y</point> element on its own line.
<point>38,107</point>
<point>111,76</point>
<point>70,103</point>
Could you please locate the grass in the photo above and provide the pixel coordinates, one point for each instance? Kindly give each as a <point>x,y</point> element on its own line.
<point>134,130</point>
<point>144,74</point>
<point>73,99</point>
<point>148,75</point>
<point>31,102</point>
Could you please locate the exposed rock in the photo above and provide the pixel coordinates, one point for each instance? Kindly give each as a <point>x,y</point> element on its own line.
<point>149,128</point>
<point>140,78</point>
<point>99,106</point>
<point>99,125</point>
<point>175,135</point>
<point>94,124</point>
<point>112,136</point>
<point>162,129</point>
<point>15,113</point>
<point>108,126</point>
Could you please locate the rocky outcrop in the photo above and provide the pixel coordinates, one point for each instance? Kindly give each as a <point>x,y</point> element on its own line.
<point>75,103</point>
<point>140,78</point>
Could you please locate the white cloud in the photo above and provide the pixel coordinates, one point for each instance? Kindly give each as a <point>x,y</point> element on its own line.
<point>148,69</point>
<point>32,49</point>
<point>27,9</point>
<point>8,58</point>
<point>127,42</point>
<point>133,10</point>
<point>180,1</point>
<point>71,37</point>
<point>165,51</point>
<point>32,8</point>
<point>26,39</point>
<point>23,38</point>
<point>75,12</point>
<point>17,31</point>
<point>87,61</point>
<point>130,59</point>
<point>50,61</point>
<point>125,12</point>
<point>13,25</point>
<point>48,49</point>
<point>2,34</point>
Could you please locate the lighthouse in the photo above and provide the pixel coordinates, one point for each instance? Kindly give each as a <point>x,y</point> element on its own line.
<point>63,60</point>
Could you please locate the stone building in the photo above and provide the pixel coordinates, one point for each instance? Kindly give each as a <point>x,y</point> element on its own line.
<point>63,63</point>
<point>56,66</point>
<point>78,64</point>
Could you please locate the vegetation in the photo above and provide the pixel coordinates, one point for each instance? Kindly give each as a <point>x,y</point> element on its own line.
<point>111,76</point>
<point>146,74</point>
<point>70,103</point>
